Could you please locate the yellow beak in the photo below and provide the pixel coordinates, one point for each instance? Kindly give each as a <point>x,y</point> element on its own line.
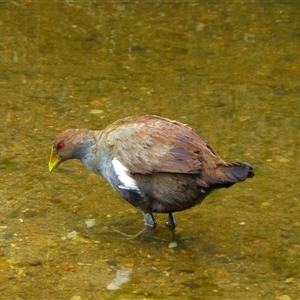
<point>54,161</point>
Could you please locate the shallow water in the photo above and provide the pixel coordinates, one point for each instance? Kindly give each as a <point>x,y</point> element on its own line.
<point>230,70</point>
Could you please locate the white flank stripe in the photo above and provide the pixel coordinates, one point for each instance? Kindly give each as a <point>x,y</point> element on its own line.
<point>127,182</point>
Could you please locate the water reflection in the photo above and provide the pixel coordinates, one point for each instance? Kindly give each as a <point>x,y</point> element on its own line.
<point>229,70</point>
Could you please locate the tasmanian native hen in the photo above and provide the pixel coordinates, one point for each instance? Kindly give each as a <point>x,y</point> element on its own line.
<point>157,165</point>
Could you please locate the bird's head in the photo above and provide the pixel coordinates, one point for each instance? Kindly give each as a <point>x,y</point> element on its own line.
<point>71,143</point>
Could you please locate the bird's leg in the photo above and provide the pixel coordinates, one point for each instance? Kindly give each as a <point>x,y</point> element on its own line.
<point>150,225</point>
<point>171,223</point>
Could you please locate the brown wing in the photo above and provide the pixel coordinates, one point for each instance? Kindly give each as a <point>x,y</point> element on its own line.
<point>147,144</point>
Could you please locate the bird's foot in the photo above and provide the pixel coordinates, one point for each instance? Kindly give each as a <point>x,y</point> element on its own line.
<point>143,234</point>
<point>130,236</point>
<point>177,240</point>
<point>171,224</point>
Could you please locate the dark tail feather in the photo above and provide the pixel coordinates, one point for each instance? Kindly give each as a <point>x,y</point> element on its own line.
<point>232,173</point>
<point>240,170</point>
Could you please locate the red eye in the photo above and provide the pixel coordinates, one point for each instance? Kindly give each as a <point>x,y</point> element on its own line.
<point>60,146</point>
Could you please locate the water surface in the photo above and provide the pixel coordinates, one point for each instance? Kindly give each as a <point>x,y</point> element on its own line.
<point>230,70</point>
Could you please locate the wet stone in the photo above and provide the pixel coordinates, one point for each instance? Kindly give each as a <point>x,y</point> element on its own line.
<point>55,200</point>
<point>111,262</point>
<point>76,298</point>
<point>289,280</point>
<point>30,213</point>
<point>188,271</point>
<point>285,235</point>
<point>7,236</point>
<point>14,213</point>
<point>284,297</point>
<point>34,262</point>
<point>136,48</point>
<point>191,284</point>
<point>286,228</point>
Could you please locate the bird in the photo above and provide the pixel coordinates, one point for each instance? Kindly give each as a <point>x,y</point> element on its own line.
<point>156,164</point>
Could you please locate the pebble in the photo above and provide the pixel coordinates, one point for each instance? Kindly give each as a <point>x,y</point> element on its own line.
<point>111,262</point>
<point>90,223</point>
<point>7,236</point>
<point>188,271</point>
<point>34,262</point>
<point>284,160</point>
<point>14,213</point>
<point>284,297</point>
<point>99,102</point>
<point>173,245</point>
<point>96,111</point>
<point>72,234</point>
<point>244,118</point>
<point>256,241</point>
<point>123,275</point>
<point>289,280</point>
<point>159,263</point>
<point>286,228</point>
<point>129,265</point>
<point>29,213</point>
